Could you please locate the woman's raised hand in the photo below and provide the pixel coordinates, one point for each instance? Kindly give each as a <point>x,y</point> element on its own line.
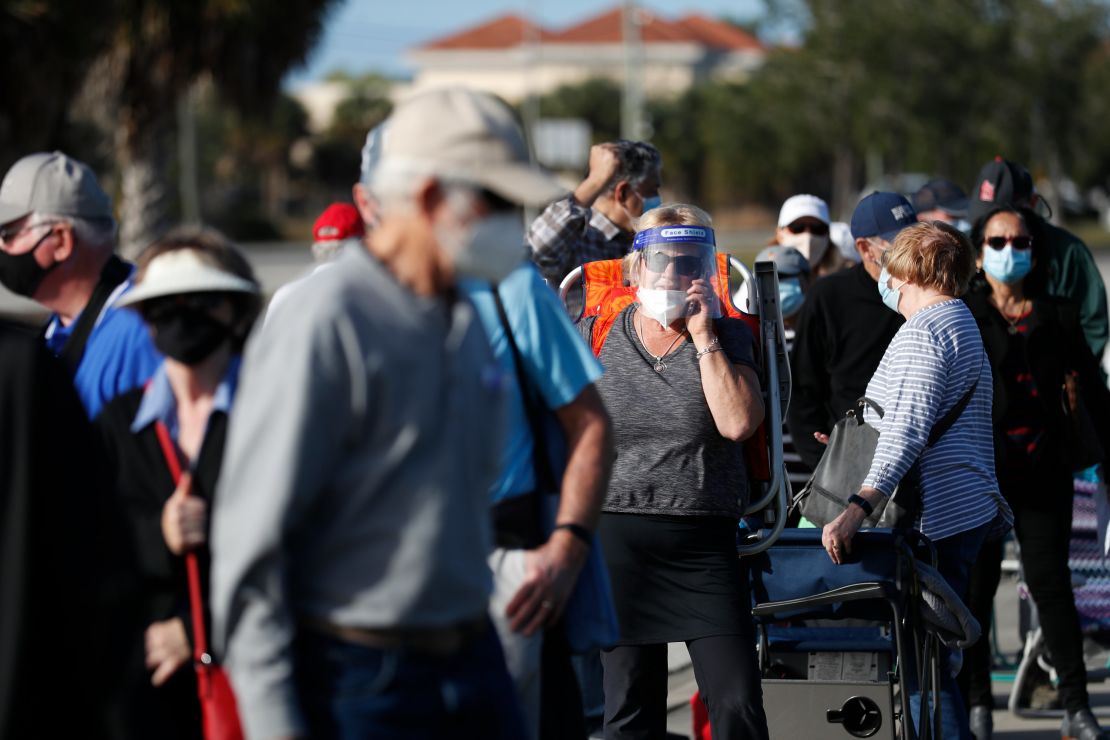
<point>699,321</point>
<point>184,518</point>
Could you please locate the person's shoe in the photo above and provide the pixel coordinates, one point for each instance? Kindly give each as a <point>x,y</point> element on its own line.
<point>1081,725</point>
<point>981,721</point>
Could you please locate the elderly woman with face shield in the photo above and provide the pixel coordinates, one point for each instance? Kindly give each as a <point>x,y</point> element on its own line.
<point>199,298</point>
<point>682,392</point>
<point>1042,366</point>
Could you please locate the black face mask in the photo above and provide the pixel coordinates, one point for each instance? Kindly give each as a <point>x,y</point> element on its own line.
<point>20,273</point>
<point>188,335</point>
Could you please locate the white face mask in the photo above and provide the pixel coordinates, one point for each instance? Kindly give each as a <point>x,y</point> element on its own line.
<point>662,305</point>
<point>812,247</point>
<point>487,249</point>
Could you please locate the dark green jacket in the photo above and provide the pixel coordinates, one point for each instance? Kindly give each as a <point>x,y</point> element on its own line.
<point>1073,275</point>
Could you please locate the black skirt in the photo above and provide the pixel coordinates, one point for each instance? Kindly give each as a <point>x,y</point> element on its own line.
<point>675,578</point>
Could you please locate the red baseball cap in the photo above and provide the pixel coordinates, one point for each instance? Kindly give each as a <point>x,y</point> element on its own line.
<point>339,221</point>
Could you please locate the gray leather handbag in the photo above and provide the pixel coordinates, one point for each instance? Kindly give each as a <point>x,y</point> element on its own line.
<point>846,461</point>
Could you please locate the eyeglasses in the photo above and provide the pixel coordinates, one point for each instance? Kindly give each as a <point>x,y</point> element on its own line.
<point>687,265</point>
<point>8,234</point>
<point>817,229</point>
<point>1000,242</point>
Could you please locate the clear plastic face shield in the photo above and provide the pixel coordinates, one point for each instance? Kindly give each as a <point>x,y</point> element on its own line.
<point>673,259</point>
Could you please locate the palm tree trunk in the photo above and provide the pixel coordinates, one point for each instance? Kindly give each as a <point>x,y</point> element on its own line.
<point>144,156</point>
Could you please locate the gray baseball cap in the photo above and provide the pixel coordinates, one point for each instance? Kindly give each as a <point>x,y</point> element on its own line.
<point>52,183</point>
<point>469,136</point>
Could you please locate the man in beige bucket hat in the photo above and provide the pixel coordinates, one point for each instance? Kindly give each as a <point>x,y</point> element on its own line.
<point>352,525</point>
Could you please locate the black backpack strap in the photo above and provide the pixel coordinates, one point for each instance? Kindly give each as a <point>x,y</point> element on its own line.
<point>545,476</point>
<point>114,273</point>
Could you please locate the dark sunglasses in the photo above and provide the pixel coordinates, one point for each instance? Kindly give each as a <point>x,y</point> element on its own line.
<point>1000,242</point>
<point>158,308</point>
<point>686,265</point>
<point>817,229</point>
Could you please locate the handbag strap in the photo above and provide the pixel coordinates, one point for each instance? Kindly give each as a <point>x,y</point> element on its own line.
<point>545,476</point>
<point>945,422</point>
<point>953,414</point>
<point>192,567</point>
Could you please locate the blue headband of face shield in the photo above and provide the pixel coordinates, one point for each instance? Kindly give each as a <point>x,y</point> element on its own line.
<point>674,235</point>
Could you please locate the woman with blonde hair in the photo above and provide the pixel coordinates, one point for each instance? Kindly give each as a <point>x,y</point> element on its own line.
<point>682,390</point>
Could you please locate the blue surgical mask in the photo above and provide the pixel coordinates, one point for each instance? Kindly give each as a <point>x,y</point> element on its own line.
<point>653,202</point>
<point>791,296</point>
<point>890,295</point>
<point>1007,265</point>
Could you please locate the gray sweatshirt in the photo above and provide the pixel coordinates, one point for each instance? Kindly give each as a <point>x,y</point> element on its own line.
<point>354,490</point>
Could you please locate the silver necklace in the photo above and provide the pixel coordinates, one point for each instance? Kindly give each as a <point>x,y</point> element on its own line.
<point>660,366</point>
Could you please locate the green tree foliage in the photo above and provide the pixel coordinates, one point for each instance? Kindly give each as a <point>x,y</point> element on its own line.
<point>46,48</point>
<point>337,152</point>
<point>146,54</point>
<point>937,87</point>
<point>597,100</point>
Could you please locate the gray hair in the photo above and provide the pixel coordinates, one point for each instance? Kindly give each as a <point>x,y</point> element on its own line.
<point>638,162</point>
<point>98,233</point>
<point>395,181</point>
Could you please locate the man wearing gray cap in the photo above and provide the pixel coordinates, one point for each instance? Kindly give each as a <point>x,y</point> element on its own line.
<point>350,582</point>
<point>57,241</point>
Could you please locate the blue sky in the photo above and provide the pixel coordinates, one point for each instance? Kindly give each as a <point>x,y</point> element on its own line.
<point>371,35</point>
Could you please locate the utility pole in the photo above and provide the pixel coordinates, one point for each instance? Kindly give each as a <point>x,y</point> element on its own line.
<point>188,186</point>
<point>632,101</point>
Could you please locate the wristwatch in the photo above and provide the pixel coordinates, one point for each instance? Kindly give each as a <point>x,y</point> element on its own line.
<point>861,502</point>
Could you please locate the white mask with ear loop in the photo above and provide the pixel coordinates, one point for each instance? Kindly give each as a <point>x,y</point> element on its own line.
<point>662,305</point>
<point>486,249</point>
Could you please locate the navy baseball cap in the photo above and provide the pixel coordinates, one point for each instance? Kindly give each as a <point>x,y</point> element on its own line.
<point>943,195</point>
<point>883,215</point>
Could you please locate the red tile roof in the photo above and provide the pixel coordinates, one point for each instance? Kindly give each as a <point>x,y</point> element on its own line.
<point>503,32</point>
<point>511,30</point>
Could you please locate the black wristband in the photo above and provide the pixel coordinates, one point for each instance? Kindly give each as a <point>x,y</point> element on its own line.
<point>578,531</point>
<point>861,502</point>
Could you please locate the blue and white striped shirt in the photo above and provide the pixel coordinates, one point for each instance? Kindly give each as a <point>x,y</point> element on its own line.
<point>928,367</point>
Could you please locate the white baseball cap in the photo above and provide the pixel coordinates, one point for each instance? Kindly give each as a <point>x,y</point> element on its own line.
<point>800,206</point>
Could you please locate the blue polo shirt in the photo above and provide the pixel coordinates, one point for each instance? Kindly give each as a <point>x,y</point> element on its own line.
<point>558,362</point>
<point>119,354</point>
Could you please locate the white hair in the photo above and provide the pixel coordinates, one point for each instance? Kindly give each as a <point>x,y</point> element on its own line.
<point>97,233</point>
<point>394,182</point>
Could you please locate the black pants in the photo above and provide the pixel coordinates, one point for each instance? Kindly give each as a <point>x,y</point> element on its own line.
<point>561,716</point>
<point>1042,502</point>
<point>728,679</point>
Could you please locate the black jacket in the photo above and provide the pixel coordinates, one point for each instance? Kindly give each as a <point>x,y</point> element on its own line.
<point>841,335</point>
<point>1054,346</point>
<point>64,584</point>
<point>142,484</point>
